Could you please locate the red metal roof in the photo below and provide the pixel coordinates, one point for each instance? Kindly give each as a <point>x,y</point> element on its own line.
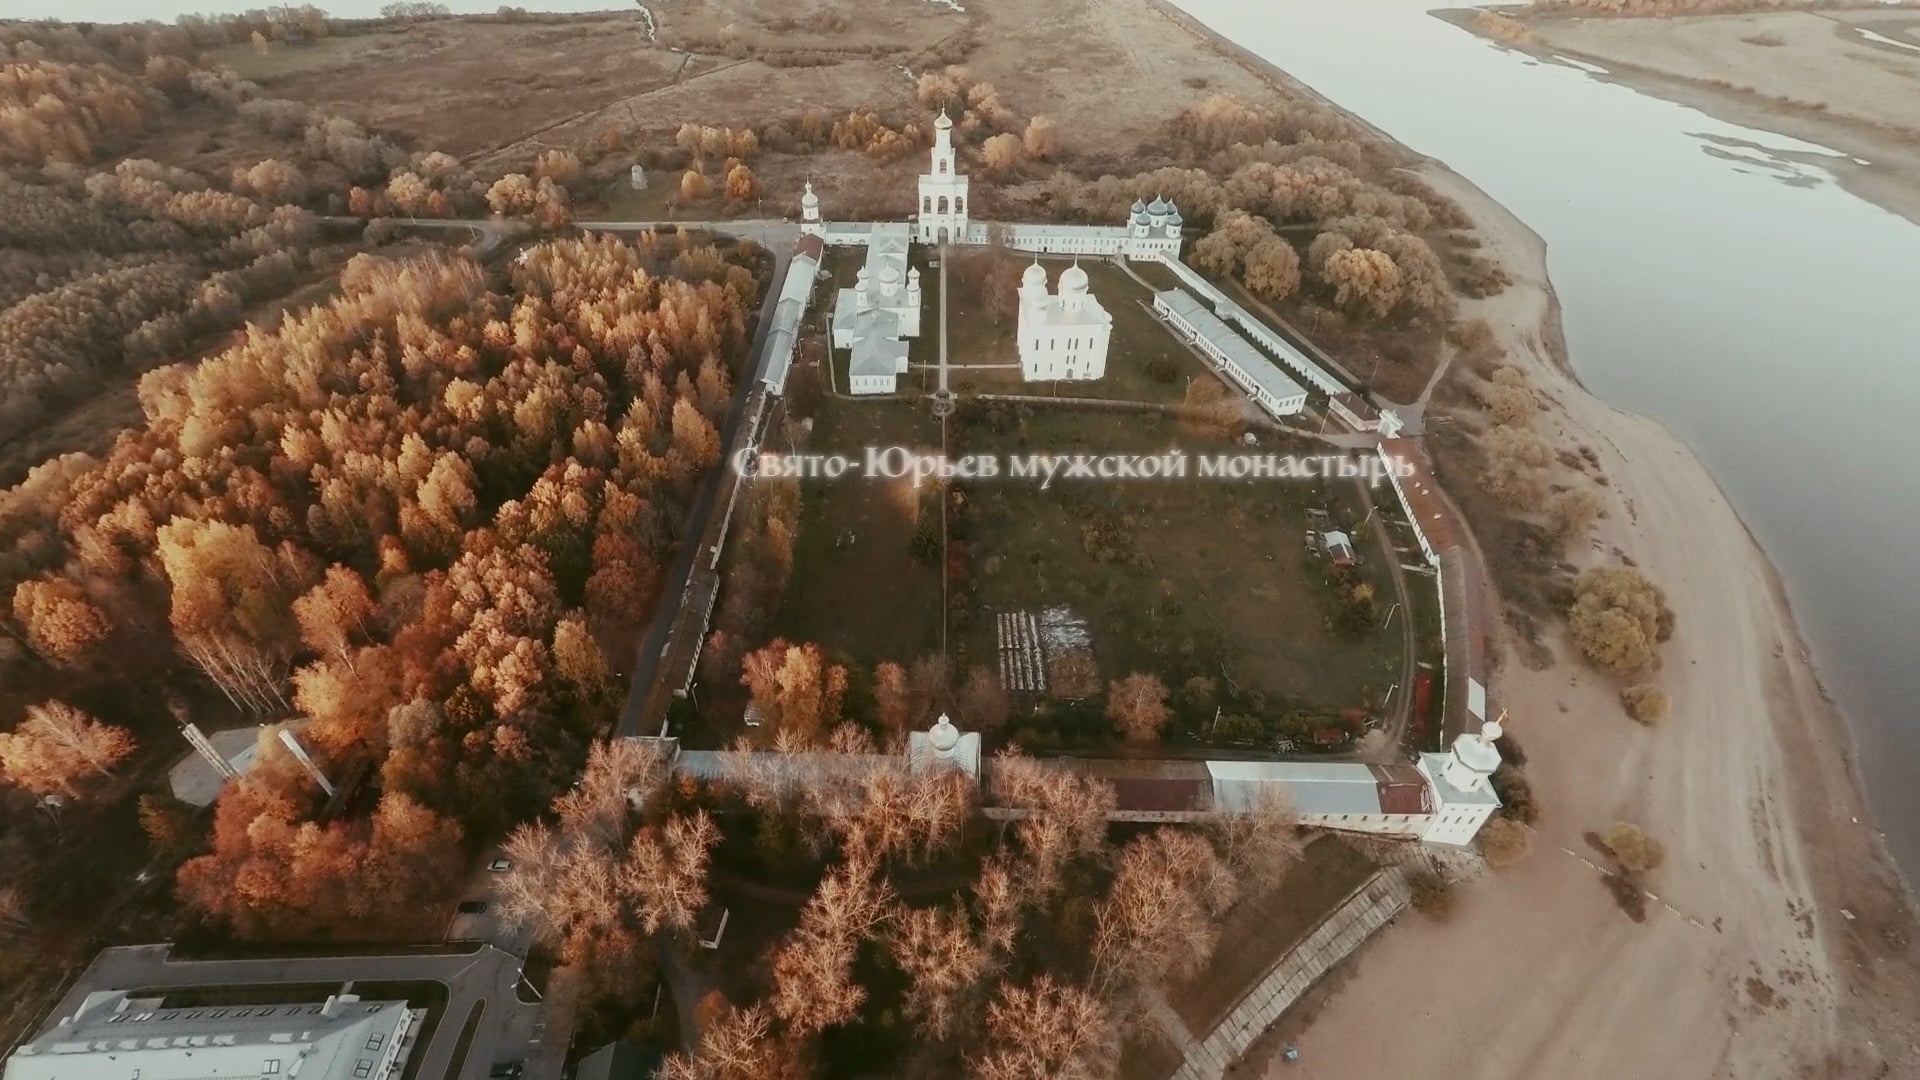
<point>1402,789</point>
<point>810,245</point>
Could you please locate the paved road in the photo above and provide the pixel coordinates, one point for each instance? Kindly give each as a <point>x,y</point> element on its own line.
<point>779,239</point>
<point>487,975</point>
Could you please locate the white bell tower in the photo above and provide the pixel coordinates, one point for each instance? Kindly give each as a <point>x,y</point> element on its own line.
<point>810,213</point>
<point>943,190</point>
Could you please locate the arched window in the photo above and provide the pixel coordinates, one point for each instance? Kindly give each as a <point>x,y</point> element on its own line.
<point>926,204</point>
<point>943,204</point>
<point>959,204</point>
<point>943,166</point>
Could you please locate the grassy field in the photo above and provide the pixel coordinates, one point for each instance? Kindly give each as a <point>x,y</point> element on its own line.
<point>1212,576</point>
<point>857,588</point>
<point>1205,577</point>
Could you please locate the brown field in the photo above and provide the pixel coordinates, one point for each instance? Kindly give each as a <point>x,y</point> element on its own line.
<point>466,87</point>
<point>1815,75</point>
<point>496,92</point>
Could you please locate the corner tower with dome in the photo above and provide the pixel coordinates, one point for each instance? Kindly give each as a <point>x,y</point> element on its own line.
<point>1064,335</point>
<point>1462,785</point>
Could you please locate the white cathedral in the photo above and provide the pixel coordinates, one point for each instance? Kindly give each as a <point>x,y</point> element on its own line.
<point>1063,335</point>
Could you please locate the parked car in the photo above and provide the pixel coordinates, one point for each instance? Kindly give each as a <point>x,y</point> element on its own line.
<point>507,1070</point>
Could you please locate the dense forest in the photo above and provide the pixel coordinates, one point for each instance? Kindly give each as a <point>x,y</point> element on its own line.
<point>408,515</point>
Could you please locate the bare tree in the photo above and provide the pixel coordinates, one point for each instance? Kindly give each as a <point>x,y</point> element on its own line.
<point>1065,818</point>
<point>620,774</point>
<point>814,987</point>
<point>1047,1030</point>
<point>1260,844</point>
<point>944,961</point>
<point>1160,918</point>
<point>666,871</point>
<point>1137,705</point>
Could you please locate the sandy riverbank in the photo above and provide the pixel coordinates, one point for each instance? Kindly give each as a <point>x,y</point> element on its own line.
<point>1847,80</point>
<point>1754,971</point>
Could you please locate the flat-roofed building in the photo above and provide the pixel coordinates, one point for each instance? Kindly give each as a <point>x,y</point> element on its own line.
<point>115,1036</point>
<point>1233,356</point>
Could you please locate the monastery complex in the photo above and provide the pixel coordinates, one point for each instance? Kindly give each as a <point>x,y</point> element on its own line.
<point>1064,334</point>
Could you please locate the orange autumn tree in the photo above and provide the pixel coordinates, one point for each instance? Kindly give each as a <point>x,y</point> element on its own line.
<point>58,747</point>
<point>795,688</point>
<point>408,515</point>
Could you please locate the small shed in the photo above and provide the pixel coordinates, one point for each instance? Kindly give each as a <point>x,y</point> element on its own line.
<point>1339,548</point>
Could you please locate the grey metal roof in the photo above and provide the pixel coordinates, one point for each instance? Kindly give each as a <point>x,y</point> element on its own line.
<point>114,1035</point>
<point>1281,347</point>
<point>1238,350</point>
<point>876,354</point>
<point>1311,787</point>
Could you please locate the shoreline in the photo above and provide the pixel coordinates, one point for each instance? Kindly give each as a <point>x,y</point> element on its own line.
<point>1889,179</point>
<point>1794,945</point>
<point>1747,109</point>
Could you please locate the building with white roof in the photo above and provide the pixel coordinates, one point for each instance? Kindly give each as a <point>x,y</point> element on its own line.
<point>882,309</point>
<point>1063,335</point>
<point>114,1036</point>
<point>796,292</point>
<point>1153,231</point>
<point>1234,356</point>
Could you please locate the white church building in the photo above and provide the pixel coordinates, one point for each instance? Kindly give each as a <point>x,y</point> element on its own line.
<point>874,318</point>
<point>1062,335</point>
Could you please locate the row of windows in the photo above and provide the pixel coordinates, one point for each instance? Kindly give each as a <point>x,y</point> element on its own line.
<point>927,204</point>
<point>217,1014</point>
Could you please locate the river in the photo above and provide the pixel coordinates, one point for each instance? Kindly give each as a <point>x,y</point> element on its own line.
<point>1744,299</point>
